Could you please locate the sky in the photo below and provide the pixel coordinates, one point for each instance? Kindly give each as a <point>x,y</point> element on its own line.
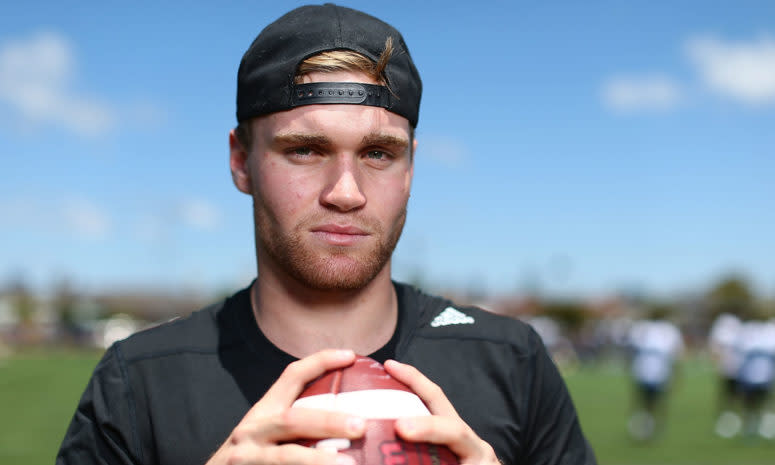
<point>565,148</point>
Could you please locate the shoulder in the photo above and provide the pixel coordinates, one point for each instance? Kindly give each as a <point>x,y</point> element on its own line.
<point>443,319</point>
<point>194,331</point>
<point>203,331</point>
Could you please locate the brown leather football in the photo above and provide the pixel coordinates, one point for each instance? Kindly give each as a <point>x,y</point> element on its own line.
<point>367,390</point>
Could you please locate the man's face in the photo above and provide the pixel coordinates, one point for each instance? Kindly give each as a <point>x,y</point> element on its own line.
<point>330,186</point>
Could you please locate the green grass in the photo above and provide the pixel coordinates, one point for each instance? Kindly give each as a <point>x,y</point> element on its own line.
<point>38,395</point>
<point>603,396</point>
<point>39,392</point>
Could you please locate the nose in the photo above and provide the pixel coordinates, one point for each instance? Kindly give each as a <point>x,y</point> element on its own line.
<point>344,191</point>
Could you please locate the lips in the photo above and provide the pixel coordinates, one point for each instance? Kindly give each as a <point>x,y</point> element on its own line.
<point>336,229</point>
<point>340,235</point>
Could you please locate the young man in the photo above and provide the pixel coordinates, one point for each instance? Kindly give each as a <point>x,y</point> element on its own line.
<point>327,103</point>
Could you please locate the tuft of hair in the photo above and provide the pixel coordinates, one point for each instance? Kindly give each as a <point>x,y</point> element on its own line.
<point>384,58</point>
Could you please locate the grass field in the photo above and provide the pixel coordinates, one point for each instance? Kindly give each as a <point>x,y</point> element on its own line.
<point>38,395</point>
<point>603,398</point>
<point>39,391</point>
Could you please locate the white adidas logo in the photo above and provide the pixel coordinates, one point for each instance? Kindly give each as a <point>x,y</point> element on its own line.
<point>451,316</point>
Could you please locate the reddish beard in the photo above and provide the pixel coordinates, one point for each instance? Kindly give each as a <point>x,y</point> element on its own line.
<point>327,268</point>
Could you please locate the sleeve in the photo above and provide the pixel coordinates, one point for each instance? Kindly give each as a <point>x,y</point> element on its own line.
<point>103,429</point>
<point>554,435</point>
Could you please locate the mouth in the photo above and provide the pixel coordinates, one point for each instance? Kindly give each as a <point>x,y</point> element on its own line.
<point>340,235</point>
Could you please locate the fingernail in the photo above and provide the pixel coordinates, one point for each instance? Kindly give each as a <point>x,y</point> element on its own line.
<point>355,425</point>
<point>395,363</point>
<point>345,353</point>
<point>343,459</point>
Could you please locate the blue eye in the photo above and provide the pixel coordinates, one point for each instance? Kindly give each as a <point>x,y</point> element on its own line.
<point>375,155</point>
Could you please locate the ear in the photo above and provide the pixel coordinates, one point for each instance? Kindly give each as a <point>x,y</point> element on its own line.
<point>238,162</point>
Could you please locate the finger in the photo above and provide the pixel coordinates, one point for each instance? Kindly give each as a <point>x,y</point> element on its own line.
<point>294,454</point>
<point>433,428</point>
<point>449,431</point>
<point>312,424</point>
<point>287,454</point>
<point>427,390</point>
<point>250,453</point>
<point>296,375</point>
<point>267,416</point>
<point>294,424</point>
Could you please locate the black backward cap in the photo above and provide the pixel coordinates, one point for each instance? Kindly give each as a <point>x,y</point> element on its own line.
<point>265,78</point>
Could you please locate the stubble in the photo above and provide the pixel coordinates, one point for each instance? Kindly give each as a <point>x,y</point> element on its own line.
<point>327,267</point>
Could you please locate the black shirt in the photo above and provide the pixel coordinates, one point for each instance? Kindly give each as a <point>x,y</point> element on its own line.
<point>172,394</point>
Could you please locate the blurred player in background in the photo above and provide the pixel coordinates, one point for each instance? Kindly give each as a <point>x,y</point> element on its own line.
<point>756,348</point>
<point>722,343</point>
<point>655,345</point>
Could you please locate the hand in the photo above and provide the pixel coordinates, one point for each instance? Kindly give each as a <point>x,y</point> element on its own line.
<point>259,437</point>
<point>444,425</point>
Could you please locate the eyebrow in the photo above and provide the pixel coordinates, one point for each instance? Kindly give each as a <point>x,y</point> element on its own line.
<point>301,139</point>
<point>385,140</point>
<point>374,138</point>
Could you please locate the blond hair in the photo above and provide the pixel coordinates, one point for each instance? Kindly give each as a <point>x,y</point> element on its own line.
<point>347,60</point>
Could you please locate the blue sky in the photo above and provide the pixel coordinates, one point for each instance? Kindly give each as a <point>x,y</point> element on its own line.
<point>566,147</point>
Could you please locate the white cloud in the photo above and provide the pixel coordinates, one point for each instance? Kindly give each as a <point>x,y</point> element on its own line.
<point>198,214</point>
<point>744,71</point>
<point>651,92</point>
<point>74,216</point>
<point>445,150</point>
<point>36,77</point>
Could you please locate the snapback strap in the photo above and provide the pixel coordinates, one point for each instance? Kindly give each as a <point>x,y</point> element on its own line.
<point>354,93</point>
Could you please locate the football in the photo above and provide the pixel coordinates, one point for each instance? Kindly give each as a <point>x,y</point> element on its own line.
<point>367,390</point>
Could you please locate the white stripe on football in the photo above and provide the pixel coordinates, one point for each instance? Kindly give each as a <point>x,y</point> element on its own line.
<point>368,403</point>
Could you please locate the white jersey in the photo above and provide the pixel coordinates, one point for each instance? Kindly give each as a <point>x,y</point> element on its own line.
<point>656,345</point>
<point>723,344</point>
<point>756,348</point>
